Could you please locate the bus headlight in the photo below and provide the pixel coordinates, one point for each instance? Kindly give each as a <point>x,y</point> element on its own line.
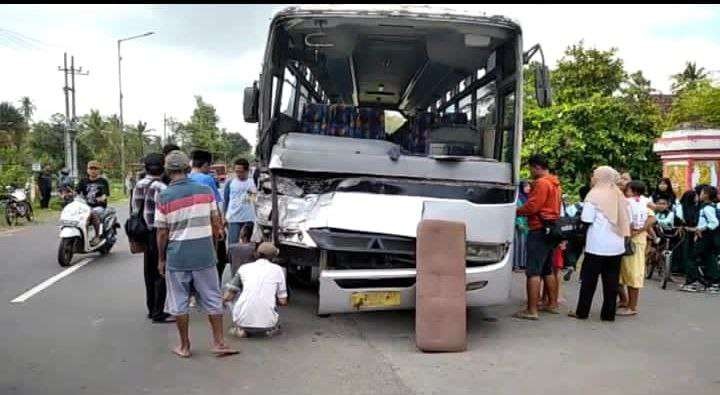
<point>485,253</point>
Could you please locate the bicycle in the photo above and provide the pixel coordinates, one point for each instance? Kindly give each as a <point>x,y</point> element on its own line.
<point>661,258</point>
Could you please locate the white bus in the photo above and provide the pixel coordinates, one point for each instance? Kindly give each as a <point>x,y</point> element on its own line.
<point>372,119</point>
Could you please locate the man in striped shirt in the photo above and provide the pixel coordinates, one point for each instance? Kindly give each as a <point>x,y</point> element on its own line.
<point>145,196</point>
<point>187,219</point>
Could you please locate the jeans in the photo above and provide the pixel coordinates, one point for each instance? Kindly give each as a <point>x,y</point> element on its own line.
<point>234,231</point>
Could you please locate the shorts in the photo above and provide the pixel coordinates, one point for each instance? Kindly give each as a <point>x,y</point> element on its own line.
<point>632,268</point>
<point>539,254</point>
<point>207,290</point>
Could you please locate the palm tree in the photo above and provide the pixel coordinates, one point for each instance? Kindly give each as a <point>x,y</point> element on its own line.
<point>689,77</point>
<point>28,108</point>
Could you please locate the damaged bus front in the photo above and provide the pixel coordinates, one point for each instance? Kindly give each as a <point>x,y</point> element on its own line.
<point>372,120</point>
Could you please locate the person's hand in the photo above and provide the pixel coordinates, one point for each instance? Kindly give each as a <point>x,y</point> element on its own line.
<point>161,268</point>
<point>228,297</point>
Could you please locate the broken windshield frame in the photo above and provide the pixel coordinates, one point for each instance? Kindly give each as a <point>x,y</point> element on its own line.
<point>473,192</point>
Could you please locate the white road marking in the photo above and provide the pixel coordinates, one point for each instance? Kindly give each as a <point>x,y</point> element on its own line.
<point>50,281</point>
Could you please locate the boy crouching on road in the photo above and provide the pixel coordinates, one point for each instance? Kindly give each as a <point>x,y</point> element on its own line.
<point>263,287</point>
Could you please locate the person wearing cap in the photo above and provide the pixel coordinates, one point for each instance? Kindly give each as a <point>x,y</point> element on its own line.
<point>263,288</point>
<point>187,220</point>
<point>144,197</point>
<point>95,190</point>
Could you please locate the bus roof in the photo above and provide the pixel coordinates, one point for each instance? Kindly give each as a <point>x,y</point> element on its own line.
<point>390,10</point>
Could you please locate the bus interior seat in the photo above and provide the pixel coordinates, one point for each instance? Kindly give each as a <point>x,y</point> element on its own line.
<point>419,132</point>
<point>453,135</point>
<point>343,121</point>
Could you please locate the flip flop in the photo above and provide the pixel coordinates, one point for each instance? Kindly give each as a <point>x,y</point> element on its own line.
<point>550,310</point>
<point>179,354</point>
<point>526,316</point>
<point>223,352</point>
<point>626,312</point>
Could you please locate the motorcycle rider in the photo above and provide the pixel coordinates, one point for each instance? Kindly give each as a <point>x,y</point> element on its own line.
<point>65,186</point>
<point>95,190</point>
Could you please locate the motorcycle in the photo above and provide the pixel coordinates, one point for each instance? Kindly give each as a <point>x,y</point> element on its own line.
<point>76,231</point>
<point>17,205</point>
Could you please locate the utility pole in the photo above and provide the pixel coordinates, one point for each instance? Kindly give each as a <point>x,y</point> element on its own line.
<point>164,140</point>
<point>70,117</point>
<point>73,130</point>
<point>68,145</point>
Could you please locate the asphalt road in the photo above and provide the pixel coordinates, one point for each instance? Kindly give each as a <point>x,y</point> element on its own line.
<point>87,334</point>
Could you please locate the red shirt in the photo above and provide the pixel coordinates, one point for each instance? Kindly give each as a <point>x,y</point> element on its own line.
<point>543,202</point>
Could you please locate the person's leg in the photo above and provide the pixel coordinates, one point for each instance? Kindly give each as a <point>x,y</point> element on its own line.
<point>183,326</point>
<point>692,272</point>
<point>558,281</point>
<point>589,277</point>
<point>549,281</point>
<point>178,298</point>
<point>708,260</point>
<point>537,251</point>
<point>157,282</point>
<point>233,232</point>
<point>610,270</point>
<point>210,299</point>
<point>533,294</point>
<point>221,252</point>
<point>633,295</point>
<point>148,270</point>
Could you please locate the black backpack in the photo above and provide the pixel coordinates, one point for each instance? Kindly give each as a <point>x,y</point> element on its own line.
<point>565,227</point>
<point>135,227</point>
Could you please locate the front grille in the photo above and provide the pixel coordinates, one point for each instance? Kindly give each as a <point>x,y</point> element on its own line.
<point>339,240</point>
<point>376,283</point>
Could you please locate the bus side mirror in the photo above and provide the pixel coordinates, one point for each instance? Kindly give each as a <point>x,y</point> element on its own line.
<point>543,89</point>
<point>250,103</point>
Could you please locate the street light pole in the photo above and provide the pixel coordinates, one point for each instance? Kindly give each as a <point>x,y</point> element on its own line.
<point>122,124</point>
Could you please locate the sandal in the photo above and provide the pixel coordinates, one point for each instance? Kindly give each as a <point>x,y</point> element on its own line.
<point>551,310</point>
<point>525,315</point>
<point>625,312</point>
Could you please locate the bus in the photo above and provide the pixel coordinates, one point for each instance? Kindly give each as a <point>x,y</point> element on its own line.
<point>341,190</point>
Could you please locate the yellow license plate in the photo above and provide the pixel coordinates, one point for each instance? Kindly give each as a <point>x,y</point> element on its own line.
<point>360,300</point>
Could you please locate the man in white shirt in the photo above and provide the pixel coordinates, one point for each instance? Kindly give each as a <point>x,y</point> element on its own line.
<point>263,288</point>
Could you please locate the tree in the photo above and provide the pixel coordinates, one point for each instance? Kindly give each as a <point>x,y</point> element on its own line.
<point>28,108</point>
<point>689,78</point>
<point>13,127</point>
<point>601,116</point>
<point>202,130</point>
<point>584,72</point>
<point>698,104</point>
<point>234,145</point>
<point>47,144</point>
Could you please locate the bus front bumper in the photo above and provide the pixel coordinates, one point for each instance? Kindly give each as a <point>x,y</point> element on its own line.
<point>340,290</point>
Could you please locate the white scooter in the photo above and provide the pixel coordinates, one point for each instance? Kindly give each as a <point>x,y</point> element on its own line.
<point>76,231</point>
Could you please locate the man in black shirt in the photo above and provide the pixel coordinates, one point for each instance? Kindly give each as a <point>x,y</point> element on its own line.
<point>95,190</point>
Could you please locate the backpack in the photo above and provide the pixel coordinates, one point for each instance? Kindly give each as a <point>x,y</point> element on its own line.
<point>136,229</point>
<point>565,227</point>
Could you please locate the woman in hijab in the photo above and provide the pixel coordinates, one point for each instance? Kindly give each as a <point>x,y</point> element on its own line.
<point>606,212</point>
<point>521,230</point>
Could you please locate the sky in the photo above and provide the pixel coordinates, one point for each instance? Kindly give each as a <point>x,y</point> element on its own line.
<point>216,50</point>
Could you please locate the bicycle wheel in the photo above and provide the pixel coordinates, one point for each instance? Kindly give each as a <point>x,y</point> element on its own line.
<point>667,269</point>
